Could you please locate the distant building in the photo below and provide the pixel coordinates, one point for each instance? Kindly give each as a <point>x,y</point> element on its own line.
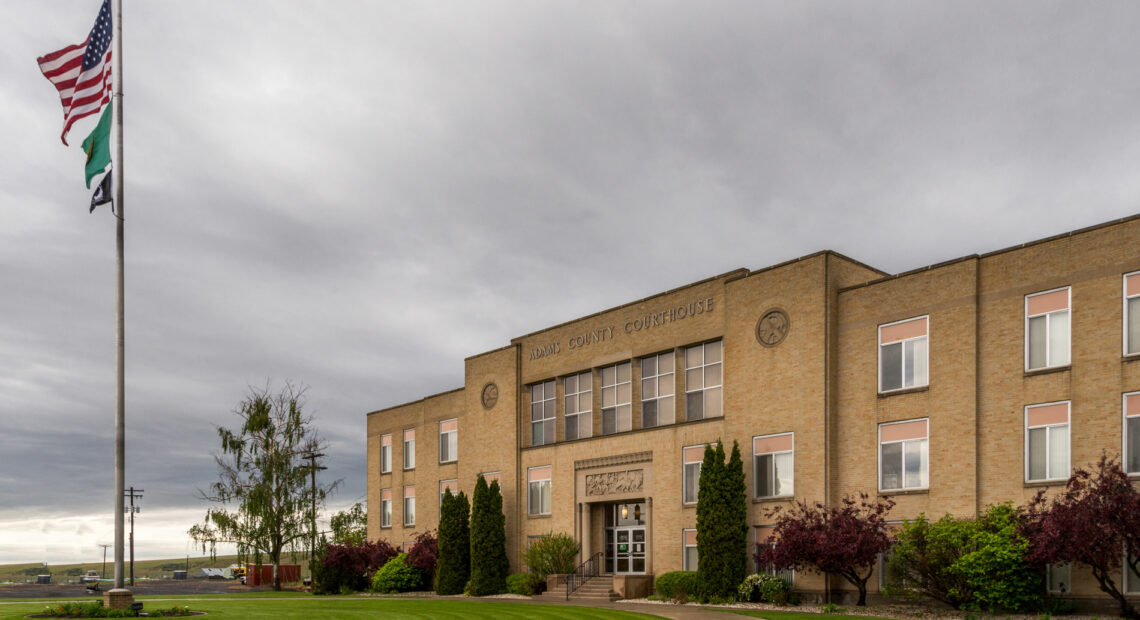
<point>954,386</point>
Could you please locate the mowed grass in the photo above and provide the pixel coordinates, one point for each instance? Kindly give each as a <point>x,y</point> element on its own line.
<point>334,609</point>
<point>791,615</point>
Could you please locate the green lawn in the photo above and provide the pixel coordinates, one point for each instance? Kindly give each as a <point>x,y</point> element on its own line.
<point>791,615</point>
<point>333,609</point>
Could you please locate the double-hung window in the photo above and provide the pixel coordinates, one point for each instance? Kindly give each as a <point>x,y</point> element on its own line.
<point>1132,433</point>
<point>1047,329</point>
<point>904,461</point>
<point>538,490</point>
<point>1047,441</point>
<point>448,440</point>
<point>448,485</point>
<point>903,354</point>
<point>617,414</point>
<point>386,453</point>
<point>774,459</point>
<point>1131,575</point>
<point>1059,578</point>
<point>410,505</point>
<point>657,390</point>
<point>542,413</point>
<point>410,448</point>
<point>689,549</point>
<point>578,393</point>
<point>385,507</point>
<point>491,476</point>
<point>1132,313</point>
<point>762,533</point>
<point>692,458</point>
<point>703,381</point>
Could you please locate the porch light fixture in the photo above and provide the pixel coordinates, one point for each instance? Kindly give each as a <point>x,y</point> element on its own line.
<point>625,511</point>
<point>637,512</point>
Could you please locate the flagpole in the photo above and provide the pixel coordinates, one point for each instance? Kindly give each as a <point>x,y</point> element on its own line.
<point>120,349</point>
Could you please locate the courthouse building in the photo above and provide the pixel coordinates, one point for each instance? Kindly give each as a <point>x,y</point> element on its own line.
<point>947,388</point>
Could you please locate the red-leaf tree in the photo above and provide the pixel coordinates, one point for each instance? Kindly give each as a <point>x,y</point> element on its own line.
<point>843,540</point>
<point>1095,521</point>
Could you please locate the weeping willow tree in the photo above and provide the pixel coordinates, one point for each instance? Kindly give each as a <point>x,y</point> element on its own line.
<point>266,497</point>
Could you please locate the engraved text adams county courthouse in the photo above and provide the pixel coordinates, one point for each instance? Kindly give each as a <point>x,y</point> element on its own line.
<point>972,382</point>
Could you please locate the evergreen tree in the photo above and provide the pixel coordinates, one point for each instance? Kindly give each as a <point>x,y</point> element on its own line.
<point>489,565</point>
<point>454,568</point>
<point>722,522</point>
<point>736,530</point>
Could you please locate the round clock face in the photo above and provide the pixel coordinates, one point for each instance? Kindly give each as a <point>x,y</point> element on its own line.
<point>490,395</point>
<point>772,327</point>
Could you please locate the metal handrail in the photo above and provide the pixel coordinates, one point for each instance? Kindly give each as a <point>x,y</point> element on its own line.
<point>582,574</point>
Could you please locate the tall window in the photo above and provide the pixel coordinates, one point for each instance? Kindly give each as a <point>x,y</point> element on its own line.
<point>579,394</point>
<point>1132,313</point>
<point>703,381</point>
<point>616,394</point>
<point>761,534</point>
<point>410,448</point>
<point>903,455</point>
<point>692,457</point>
<point>689,549</point>
<point>1132,433</point>
<point>903,354</point>
<point>1047,441</point>
<point>773,460</point>
<point>448,485</point>
<point>1131,577</point>
<point>386,453</point>
<point>657,390</point>
<point>385,507</point>
<point>542,413</point>
<point>538,490</point>
<point>1059,578</point>
<point>448,440</point>
<point>1047,329</point>
<point>410,505</point>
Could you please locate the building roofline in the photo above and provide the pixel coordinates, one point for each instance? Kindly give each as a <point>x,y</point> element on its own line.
<point>502,348</point>
<point>418,400</point>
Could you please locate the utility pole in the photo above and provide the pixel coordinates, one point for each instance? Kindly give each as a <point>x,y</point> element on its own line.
<point>103,574</point>
<point>133,493</point>
<point>312,456</point>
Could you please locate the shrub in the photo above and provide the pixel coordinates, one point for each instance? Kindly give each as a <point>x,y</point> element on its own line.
<point>424,554</point>
<point>765,588</point>
<point>523,583</point>
<point>454,566</point>
<point>680,586</point>
<point>489,564</point>
<point>397,576</point>
<point>554,554</point>
<point>336,567</point>
<point>722,522</point>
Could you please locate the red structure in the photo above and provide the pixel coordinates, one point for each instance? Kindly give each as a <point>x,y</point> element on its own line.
<point>262,575</point>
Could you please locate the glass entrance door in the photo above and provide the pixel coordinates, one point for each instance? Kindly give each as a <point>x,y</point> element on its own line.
<point>625,539</point>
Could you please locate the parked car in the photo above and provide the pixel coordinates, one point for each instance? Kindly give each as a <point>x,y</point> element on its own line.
<point>91,577</point>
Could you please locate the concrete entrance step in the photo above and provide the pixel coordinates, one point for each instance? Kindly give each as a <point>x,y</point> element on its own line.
<point>599,588</point>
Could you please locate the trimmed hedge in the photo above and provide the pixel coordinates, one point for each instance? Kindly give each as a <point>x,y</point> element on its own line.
<point>526,584</point>
<point>680,586</point>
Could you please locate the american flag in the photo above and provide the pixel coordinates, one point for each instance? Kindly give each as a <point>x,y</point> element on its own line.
<point>82,73</point>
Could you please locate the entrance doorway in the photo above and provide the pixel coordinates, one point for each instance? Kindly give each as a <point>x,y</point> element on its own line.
<point>625,538</point>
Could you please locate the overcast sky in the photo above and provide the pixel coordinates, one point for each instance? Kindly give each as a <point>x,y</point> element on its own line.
<point>355,196</point>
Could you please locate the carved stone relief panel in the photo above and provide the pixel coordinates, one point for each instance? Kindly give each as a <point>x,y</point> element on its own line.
<point>615,482</point>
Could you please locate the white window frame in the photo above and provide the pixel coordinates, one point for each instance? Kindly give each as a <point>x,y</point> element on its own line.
<point>443,489</point>
<point>1127,345</point>
<point>552,399</point>
<point>409,449</point>
<point>704,388</point>
<point>902,345</point>
<point>658,376</point>
<point>452,441</point>
<point>885,557</point>
<point>386,454</point>
<point>756,470</point>
<point>685,550</point>
<point>684,479</point>
<point>583,418</point>
<point>787,574</point>
<point>412,499</point>
<point>1065,567</point>
<point>904,442</point>
<point>1049,353</point>
<point>1069,449</point>
<point>612,393</point>
<point>386,508</point>
<point>1125,446</point>
<point>544,489</point>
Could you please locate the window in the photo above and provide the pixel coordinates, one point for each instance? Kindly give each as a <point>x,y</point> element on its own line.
<point>1131,577</point>
<point>542,413</point>
<point>492,476</point>
<point>538,490</point>
<point>410,505</point>
<point>773,459</point>
<point>1132,433</point>
<point>385,507</point>
<point>891,582</point>
<point>761,535</point>
<point>410,448</point>
<point>689,549</point>
<point>616,395</point>
<point>579,391</point>
<point>703,381</point>
<point>386,453</point>
<point>657,390</point>
<point>1047,441</point>
<point>903,354</point>
<point>1047,329</point>
<point>448,440</point>
<point>691,472</point>
<point>903,455</point>
<point>448,485</point>
<point>1132,313</point>
<point>1059,578</point>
